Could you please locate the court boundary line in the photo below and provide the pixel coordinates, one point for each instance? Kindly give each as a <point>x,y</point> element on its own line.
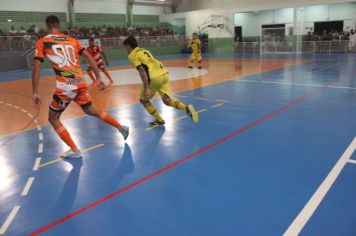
<point>176,163</point>
<point>308,210</point>
<point>297,84</point>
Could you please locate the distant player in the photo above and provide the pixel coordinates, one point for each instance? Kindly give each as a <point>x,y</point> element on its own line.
<point>155,79</point>
<point>195,44</point>
<point>63,52</point>
<point>99,57</point>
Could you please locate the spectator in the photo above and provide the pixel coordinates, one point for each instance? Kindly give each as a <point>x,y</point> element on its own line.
<point>12,31</point>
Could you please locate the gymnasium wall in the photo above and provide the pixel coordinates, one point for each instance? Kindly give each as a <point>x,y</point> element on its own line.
<point>88,12</point>
<point>196,5</point>
<point>251,22</point>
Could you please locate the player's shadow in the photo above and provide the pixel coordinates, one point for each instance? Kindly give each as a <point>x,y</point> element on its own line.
<point>70,189</point>
<point>126,166</point>
<point>152,145</point>
<point>68,195</point>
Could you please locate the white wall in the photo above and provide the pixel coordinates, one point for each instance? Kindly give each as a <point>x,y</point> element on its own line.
<point>195,19</point>
<point>150,10</point>
<point>195,5</point>
<point>100,6</point>
<point>251,22</point>
<point>34,5</point>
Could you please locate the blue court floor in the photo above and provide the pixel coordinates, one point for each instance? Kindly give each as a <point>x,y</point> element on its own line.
<point>273,153</point>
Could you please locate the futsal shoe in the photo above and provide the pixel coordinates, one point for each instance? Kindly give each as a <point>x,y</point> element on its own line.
<point>157,123</point>
<point>192,113</point>
<point>190,67</point>
<point>72,154</point>
<point>125,131</point>
<point>199,67</point>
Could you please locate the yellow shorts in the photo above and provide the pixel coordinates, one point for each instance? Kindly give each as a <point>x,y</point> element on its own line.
<point>196,56</point>
<point>160,85</point>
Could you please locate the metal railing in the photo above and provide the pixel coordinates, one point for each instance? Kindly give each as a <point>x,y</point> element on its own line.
<point>150,41</point>
<point>11,43</point>
<point>303,46</point>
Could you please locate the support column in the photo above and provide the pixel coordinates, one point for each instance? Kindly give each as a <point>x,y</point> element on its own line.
<point>70,13</point>
<point>129,15</point>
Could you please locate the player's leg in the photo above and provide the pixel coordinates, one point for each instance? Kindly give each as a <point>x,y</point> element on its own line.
<point>191,62</point>
<point>56,108</point>
<point>165,93</point>
<point>83,99</point>
<point>91,75</point>
<point>150,108</point>
<point>199,59</point>
<point>106,72</point>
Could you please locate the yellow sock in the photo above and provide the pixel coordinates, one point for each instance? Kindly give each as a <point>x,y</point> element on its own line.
<point>153,111</point>
<point>178,104</point>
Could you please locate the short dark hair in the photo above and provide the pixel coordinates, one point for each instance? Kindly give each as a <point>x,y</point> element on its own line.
<point>91,40</point>
<point>131,40</point>
<point>52,21</point>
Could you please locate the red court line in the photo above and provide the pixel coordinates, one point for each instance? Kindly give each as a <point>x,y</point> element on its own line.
<point>180,161</point>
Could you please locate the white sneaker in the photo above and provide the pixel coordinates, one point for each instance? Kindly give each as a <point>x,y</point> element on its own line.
<point>124,130</point>
<point>71,154</point>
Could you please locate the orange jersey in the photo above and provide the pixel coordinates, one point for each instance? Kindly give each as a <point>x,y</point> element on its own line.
<point>95,52</point>
<point>63,52</point>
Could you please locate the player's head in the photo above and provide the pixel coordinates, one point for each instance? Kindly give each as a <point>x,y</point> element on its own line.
<point>91,42</point>
<point>52,22</point>
<point>130,44</point>
<point>195,35</point>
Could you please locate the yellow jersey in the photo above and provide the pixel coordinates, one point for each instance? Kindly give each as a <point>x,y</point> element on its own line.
<point>195,44</point>
<point>142,57</point>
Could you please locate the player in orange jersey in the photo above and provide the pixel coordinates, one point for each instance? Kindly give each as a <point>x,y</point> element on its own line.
<point>99,57</point>
<point>63,52</point>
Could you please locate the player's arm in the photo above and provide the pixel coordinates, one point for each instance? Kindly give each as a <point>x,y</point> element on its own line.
<point>137,62</point>
<point>36,72</point>
<point>105,58</point>
<point>144,76</point>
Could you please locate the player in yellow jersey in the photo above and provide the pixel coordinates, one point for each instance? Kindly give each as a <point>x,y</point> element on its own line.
<point>155,79</point>
<point>195,44</point>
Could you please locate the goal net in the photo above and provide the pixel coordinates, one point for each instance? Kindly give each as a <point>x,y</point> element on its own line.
<point>280,40</point>
<point>286,39</point>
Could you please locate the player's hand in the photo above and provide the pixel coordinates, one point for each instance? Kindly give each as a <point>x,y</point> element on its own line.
<point>36,101</point>
<point>147,94</point>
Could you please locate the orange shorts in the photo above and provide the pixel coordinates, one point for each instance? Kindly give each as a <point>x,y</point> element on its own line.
<point>61,99</point>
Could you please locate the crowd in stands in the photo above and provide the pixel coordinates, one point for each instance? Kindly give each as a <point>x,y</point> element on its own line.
<point>94,32</point>
<point>332,35</point>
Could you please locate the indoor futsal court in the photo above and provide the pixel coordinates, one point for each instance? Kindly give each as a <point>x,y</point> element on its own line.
<point>255,133</point>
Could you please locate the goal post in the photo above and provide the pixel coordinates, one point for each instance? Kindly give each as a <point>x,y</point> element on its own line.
<point>280,40</point>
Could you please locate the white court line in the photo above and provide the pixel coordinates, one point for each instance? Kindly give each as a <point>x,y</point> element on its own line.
<point>37,164</point>
<point>40,136</point>
<point>9,219</point>
<point>23,110</point>
<point>30,115</point>
<point>36,121</point>
<point>1,102</point>
<point>27,186</point>
<point>39,128</point>
<point>303,217</point>
<point>9,104</point>
<point>352,161</point>
<point>298,84</point>
<point>40,148</point>
<point>18,108</point>
<point>217,105</point>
